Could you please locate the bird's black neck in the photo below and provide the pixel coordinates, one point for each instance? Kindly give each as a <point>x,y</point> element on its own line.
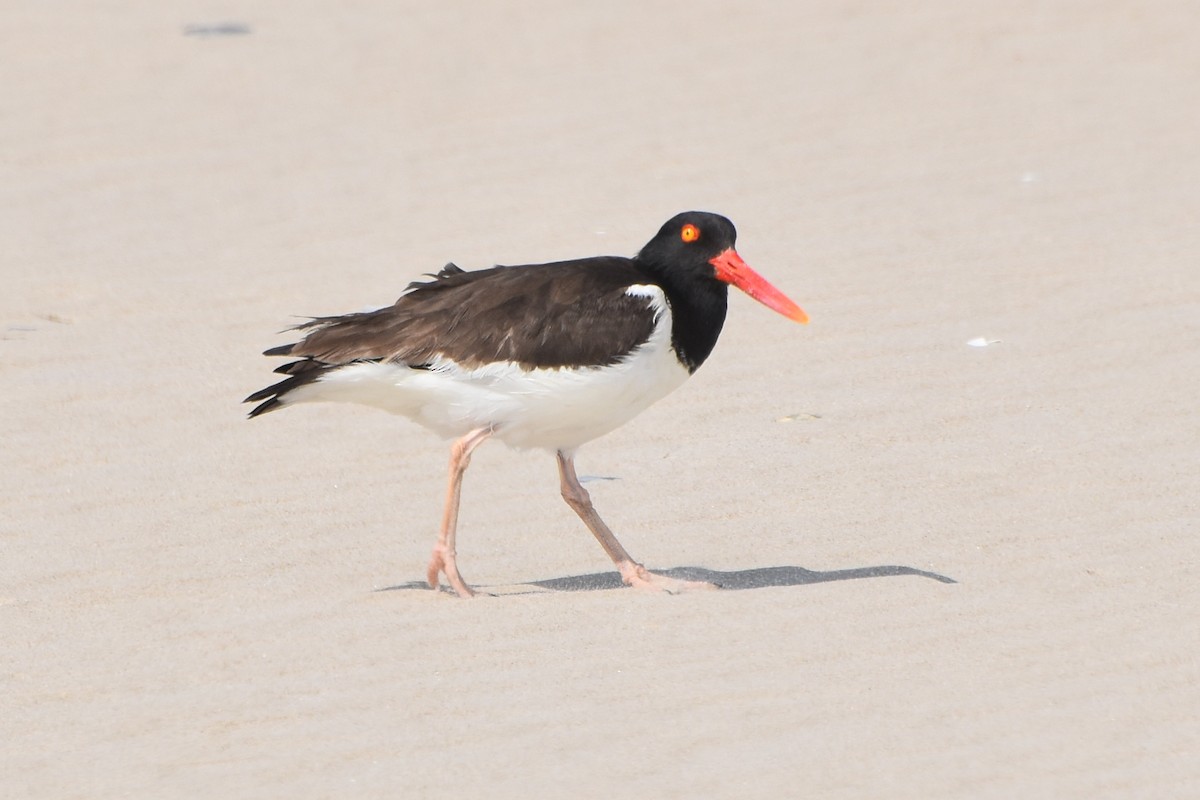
<point>697,316</point>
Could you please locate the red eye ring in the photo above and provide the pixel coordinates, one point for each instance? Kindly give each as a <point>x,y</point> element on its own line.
<point>689,233</point>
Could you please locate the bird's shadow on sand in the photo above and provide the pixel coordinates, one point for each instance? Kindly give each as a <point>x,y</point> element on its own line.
<point>758,578</point>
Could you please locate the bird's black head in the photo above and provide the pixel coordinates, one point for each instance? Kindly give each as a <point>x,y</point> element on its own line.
<point>688,243</point>
<point>693,258</point>
<point>694,252</point>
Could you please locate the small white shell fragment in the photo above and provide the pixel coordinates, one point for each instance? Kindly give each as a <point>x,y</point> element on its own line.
<point>801,416</point>
<point>981,341</point>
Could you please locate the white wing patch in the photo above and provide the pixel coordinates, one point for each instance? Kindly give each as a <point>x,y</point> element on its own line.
<point>658,300</point>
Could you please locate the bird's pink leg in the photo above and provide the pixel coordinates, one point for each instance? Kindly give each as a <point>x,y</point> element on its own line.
<point>444,555</point>
<point>631,571</point>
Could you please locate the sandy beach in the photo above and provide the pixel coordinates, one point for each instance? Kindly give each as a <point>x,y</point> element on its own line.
<point>955,516</point>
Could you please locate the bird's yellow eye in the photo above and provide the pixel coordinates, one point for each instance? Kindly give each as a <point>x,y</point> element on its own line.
<point>690,233</point>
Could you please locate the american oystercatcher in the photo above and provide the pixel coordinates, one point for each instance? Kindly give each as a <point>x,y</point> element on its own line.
<point>546,355</point>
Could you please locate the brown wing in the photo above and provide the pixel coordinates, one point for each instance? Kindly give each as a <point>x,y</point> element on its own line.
<point>571,313</point>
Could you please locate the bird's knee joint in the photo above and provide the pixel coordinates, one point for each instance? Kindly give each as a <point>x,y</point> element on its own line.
<point>576,497</point>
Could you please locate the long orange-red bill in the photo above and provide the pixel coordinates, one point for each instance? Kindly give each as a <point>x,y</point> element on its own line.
<point>731,269</point>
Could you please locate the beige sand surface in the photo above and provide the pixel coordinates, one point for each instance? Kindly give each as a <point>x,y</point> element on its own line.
<point>191,604</point>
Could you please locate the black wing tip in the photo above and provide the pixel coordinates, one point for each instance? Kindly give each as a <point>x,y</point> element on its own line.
<point>270,395</point>
<point>271,404</point>
<point>299,373</point>
<point>282,350</point>
<point>262,394</point>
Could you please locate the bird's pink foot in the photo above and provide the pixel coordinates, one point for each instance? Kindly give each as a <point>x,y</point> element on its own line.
<point>639,577</point>
<point>444,563</point>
